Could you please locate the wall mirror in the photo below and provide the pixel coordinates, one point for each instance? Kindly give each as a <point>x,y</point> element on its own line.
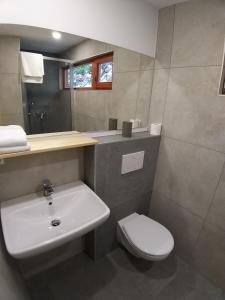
<point>222,78</point>
<point>54,82</point>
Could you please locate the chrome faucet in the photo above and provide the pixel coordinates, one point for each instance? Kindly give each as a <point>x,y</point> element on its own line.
<point>48,188</point>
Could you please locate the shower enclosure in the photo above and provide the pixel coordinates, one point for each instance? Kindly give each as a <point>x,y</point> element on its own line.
<point>47,106</point>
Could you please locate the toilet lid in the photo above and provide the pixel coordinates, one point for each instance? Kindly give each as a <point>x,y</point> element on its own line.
<point>149,236</point>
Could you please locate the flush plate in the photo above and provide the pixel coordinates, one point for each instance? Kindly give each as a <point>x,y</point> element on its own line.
<point>132,162</point>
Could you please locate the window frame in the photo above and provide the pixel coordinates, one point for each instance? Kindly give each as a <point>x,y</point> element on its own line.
<point>95,61</point>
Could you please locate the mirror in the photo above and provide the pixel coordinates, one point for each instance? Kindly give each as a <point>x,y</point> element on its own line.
<point>222,78</point>
<point>54,81</point>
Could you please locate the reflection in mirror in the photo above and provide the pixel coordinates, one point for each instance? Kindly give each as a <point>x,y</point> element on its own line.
<point>52,82</point>
<point>222,79</point>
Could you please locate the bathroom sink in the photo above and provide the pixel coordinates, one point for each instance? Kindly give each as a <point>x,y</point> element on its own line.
<point>34,224</point>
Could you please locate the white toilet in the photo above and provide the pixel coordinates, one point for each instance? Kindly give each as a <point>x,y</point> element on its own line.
<point>144,237</point>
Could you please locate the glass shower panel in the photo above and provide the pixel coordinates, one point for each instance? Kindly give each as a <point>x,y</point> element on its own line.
<point>48,105</point>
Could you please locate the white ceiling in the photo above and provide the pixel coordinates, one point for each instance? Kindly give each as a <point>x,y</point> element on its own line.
<point>39,39</point>
<point>164,3</point>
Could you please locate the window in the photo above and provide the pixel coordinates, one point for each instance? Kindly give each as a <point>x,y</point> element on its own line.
<point>92,74</point>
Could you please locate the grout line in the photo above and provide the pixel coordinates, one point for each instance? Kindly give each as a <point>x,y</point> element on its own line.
<point>133,71</point>
<point>193,144</point>
<point>187,67</point>
<point>138,93</point>
<point>150,98</point>
<point>214,194</point>
<point>171,49</point>
<point>210,205</point>
<point>9,73</point>
<point>178,204</point>
<point>169,73</point>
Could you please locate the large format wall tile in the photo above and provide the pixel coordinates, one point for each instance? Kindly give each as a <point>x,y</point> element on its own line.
<point>24,175</point>
<point>124,60</point>
<point>216,214</point>
<point>121,103</point>
<point>105,235</point>
<point>188,174</point>
<point>9,119</point>
<point>144,96</point>
<point>10,96</point>
<point>194,111</point>
<point>9,55</point>
<point>199,33</point>
<point>147,63</point>
<point>131,88</point>
<point>184,226</point>
<point>12,285</point>
<point>165,37</point>
<point>85,49</point>
<point>209,255</point>
<point>158,97</point>
<point>91,103</point>
<point>187,188</point>
<point>123,193</point>
<point>116,188</point>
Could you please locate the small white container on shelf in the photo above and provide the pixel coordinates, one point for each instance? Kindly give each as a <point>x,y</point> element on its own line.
<point>155,128</point>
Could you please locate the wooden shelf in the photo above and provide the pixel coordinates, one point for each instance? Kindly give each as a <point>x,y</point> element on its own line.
<point>41,143</point>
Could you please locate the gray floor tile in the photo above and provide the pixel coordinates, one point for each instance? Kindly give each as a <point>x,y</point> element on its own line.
<point>120,276</point>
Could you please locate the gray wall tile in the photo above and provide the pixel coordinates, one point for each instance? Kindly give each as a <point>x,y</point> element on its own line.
<point>105,235</point>
<point>9,55</point>
<point>198,33</point>
<point>130,94</point>
<point>165,37</point>
<point>188,182</point>
<point>194,111</point>
<point>147,63</point>
<point>124,194</point>
<point>216,214</point>
<point>24,175</point>
<point>184,226</point>
<point>144,96</point>
<point>121,103</point>
<point>11,284</point>
<point>10,87</point>
<point>10,97</point>
<point>116,188</point>
<point>184,176</point>
<point>158,96</point>
<point>209,255</point>
<point>125,60</point>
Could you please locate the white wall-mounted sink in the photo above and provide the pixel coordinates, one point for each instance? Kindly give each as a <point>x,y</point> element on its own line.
<point>27,221</point>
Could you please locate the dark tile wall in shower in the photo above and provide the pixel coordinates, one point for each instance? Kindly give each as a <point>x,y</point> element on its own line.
<point>124,194</point>
<point>47,105</point>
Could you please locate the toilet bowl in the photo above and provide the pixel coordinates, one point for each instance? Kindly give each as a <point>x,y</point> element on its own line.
<point>144,237</point>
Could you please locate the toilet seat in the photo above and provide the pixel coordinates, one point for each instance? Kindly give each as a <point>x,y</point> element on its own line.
<point>148,238</point>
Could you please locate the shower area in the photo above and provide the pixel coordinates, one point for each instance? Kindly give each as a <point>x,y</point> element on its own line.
<point>47,106</point>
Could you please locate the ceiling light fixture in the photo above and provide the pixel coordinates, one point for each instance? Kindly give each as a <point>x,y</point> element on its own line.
<point>56,35</point>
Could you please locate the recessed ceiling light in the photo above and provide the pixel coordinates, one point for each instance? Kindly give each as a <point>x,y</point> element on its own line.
<point>56,35</point>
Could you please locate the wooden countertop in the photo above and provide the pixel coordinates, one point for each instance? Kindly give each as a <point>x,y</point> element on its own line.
<point>41,143</point>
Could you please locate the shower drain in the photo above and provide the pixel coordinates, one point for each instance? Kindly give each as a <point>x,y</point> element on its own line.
<point>55,222</point>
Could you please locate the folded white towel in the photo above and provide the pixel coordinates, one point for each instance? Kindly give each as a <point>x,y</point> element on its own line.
<point>14,149</point>
<point>12,136</point>
<point>32,67</point>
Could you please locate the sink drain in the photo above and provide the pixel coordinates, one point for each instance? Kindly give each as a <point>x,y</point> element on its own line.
<point>55,222</point>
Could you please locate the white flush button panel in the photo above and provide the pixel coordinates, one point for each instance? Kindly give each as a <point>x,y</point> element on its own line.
<point>132,162</point>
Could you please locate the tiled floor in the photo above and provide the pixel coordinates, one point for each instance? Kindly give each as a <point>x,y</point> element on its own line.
<point>119,276</point>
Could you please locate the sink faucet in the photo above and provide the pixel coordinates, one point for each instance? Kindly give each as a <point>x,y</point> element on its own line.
<point>48,188</point>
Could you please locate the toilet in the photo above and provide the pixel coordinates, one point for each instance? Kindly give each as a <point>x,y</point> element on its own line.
<point>144,237</point>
